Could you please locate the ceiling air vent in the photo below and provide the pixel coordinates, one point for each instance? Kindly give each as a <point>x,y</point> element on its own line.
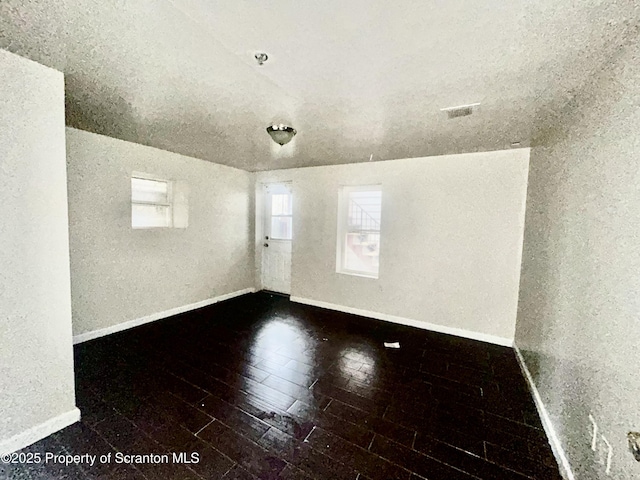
<point>460,110</point>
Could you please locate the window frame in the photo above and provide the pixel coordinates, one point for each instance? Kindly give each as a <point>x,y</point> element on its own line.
<point>169,202</point>
<point>343,229</point>
<point>270,189</point>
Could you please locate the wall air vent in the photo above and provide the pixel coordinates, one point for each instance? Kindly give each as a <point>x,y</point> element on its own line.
<point>460,110</point>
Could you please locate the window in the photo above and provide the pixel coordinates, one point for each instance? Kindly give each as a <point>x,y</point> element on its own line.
<point>151,203</point>
<point>281,213</point>
<point>158,203</point>
<point>359,216</point>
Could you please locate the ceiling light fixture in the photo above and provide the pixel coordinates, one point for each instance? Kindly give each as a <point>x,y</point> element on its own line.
<point>281,134</point>
<point>261,57</point>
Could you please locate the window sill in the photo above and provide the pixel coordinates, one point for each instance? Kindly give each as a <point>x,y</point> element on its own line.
<point>153,228</point>
<point>358,274</point>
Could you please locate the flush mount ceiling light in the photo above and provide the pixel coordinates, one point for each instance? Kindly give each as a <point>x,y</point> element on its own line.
<point>281,134</point>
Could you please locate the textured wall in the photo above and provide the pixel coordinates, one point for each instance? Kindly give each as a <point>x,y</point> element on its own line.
<point>451,238</point>
<point>119,274</point>
<point>579,310</point>
<point>36,371</point>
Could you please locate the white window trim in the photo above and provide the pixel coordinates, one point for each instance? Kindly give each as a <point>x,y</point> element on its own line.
<point>146,176</point>
<point>343,213</point>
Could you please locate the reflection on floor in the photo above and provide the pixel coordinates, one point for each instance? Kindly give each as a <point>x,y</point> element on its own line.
<point>263,388</point>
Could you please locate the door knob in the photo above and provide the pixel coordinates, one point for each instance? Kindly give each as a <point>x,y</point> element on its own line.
<point>266,244</point>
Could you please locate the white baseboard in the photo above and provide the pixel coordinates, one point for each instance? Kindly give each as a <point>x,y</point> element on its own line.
<point>458,332</point>
<point>32,435</point>
<point>554,441</point>
<point>83,337</point>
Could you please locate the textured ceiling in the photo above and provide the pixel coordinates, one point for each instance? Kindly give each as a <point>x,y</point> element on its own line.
<point>354,77</point>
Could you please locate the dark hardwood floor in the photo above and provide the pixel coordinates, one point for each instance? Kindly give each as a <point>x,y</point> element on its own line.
<point>263,388</point>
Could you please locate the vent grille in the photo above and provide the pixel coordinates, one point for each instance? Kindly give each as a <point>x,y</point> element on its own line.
<point>460,111</point>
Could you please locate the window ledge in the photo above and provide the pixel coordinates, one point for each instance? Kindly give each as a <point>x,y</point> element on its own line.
<point>358,274</point>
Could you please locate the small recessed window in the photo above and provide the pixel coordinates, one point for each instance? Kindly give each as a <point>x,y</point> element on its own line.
<point>151,203</point>
<point>359,219</point>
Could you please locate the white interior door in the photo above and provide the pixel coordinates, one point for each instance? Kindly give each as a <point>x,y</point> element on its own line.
<point>277,238</point>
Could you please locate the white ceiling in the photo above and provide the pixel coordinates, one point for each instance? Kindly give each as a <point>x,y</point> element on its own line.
<point>354,77</point>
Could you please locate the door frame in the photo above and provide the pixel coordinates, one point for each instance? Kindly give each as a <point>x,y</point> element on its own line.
<point>260,225</point>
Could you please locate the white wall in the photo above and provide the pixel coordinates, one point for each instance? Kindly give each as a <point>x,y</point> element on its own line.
<point>451,239</point>
<point>120,275</point>
<point>579,313</point>
<point>36,371</point>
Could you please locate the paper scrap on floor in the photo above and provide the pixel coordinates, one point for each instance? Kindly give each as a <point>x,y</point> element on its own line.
<point>392,344</point>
